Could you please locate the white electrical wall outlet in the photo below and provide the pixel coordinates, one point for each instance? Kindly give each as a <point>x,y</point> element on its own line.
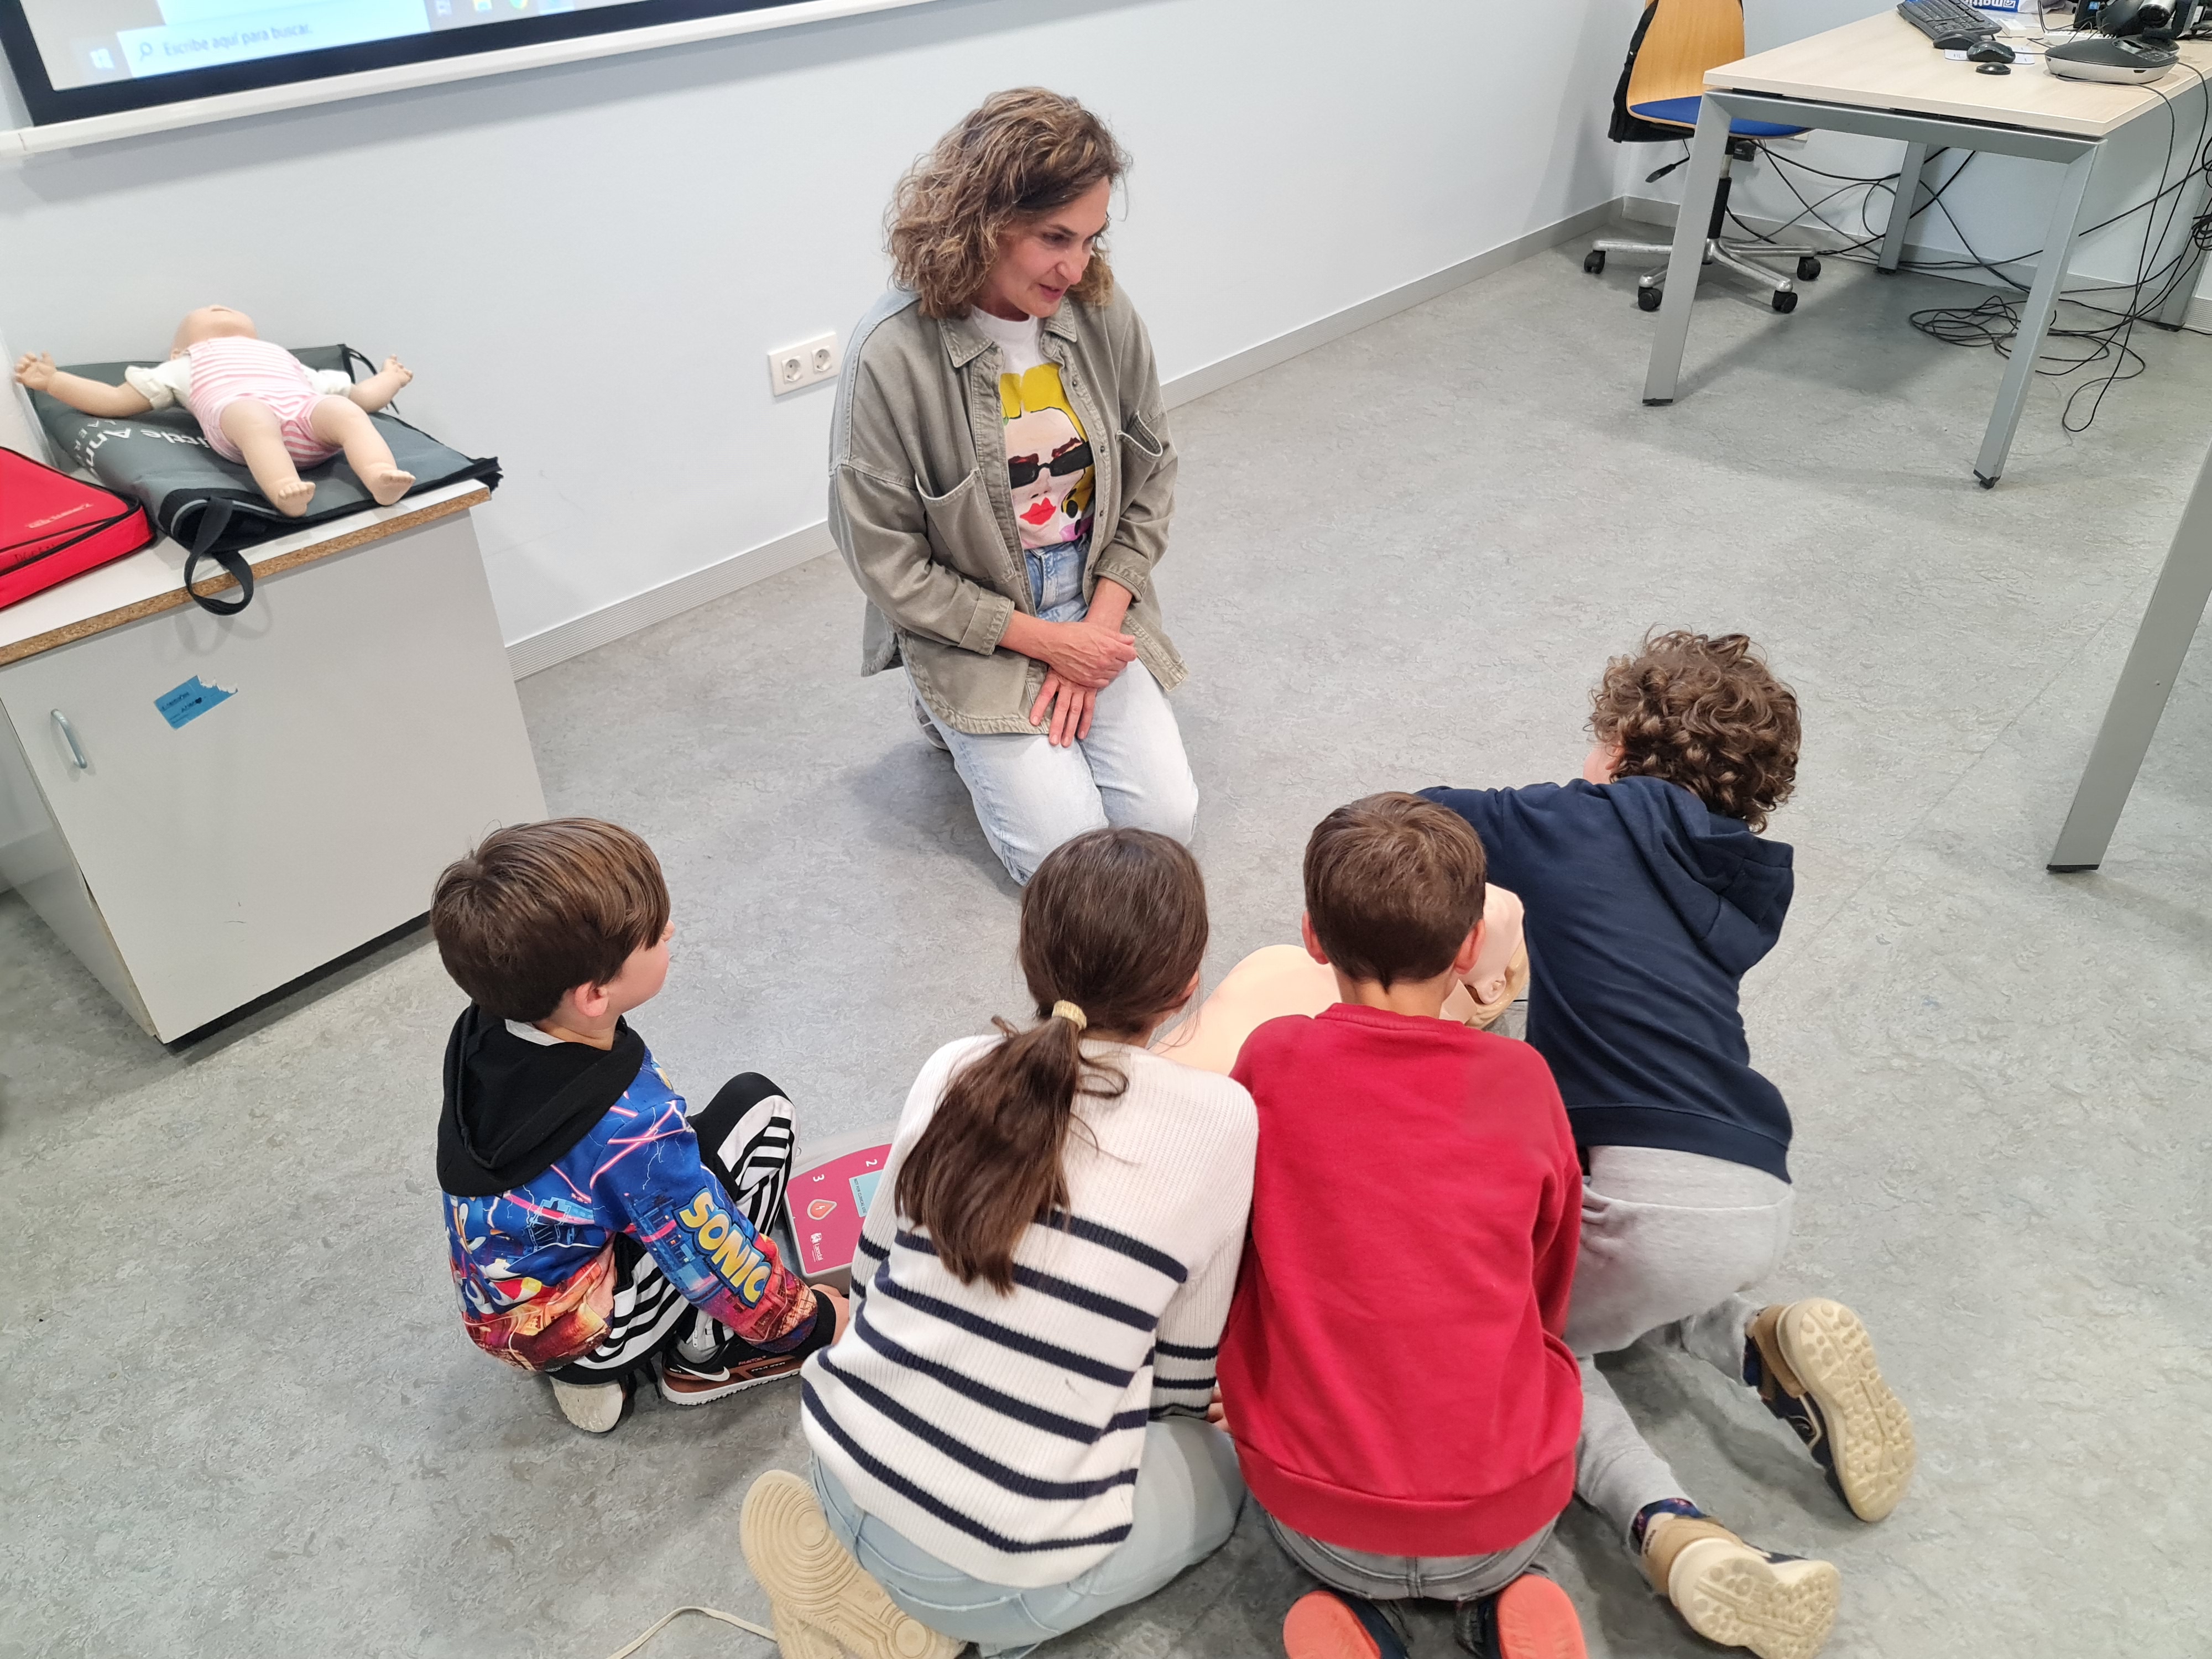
<point>795,367</point>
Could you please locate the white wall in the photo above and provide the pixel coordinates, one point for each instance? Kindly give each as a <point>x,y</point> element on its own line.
<point>2003,205</point>
<point>586,266</point>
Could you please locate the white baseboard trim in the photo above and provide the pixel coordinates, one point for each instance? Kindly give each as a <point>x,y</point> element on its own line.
<point>1238,366</point>
<point>671,598</point>
<point>1649,210</point>
<point>604,627</point>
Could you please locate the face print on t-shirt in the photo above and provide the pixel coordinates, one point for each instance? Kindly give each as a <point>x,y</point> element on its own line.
<point>1049,472</point>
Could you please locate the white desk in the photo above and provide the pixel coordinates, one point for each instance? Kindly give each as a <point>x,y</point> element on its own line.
<point>1881,77</point>
<point>371,736</point>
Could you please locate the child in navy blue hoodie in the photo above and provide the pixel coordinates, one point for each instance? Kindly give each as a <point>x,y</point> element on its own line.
<point>598,1229</point>
<point>1650,892</point>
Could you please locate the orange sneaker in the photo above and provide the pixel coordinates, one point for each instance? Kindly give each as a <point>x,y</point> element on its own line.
<point>1324,1624</point>
<point>1530,1618</point>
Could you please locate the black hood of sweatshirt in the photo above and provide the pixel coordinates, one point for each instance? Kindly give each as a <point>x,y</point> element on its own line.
<point>513,1108</point>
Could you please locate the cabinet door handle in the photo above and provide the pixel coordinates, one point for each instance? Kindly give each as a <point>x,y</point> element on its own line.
<point>69,737</point>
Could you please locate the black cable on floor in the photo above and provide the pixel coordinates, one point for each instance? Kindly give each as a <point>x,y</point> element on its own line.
<point>1995,320</point>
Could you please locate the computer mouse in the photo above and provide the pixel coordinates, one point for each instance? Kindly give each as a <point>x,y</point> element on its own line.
<point>1991,52</point>
<point>1994,68</point>
<point>1958,42</point>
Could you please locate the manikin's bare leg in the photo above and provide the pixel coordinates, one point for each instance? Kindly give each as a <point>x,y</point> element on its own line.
<point>253,427</point>
<point>339,421</point>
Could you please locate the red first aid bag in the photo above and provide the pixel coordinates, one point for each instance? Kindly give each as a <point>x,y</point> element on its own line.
<point>53,526</point>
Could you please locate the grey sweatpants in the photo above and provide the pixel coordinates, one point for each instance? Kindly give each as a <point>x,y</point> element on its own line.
<point>1671,1240</point>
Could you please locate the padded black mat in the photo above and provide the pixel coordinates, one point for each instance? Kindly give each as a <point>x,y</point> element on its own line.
<point>209,504</point>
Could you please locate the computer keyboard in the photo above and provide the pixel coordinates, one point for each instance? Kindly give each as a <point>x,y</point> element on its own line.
<point>1937,18</point>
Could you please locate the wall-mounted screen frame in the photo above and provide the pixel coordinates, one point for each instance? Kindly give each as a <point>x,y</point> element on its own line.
<point>52,47</point>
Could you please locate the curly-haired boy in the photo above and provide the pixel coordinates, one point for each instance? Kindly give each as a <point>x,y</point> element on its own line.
<point>1650,892</point>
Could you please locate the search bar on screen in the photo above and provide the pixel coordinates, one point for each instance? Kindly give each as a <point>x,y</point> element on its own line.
<point>239,37</point>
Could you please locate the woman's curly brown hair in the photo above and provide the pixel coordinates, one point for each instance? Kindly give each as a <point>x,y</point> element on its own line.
<point>1706,713</point>
<point>1017,156</point>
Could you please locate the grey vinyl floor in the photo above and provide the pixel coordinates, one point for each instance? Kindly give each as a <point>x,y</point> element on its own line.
<point>240,1417</point>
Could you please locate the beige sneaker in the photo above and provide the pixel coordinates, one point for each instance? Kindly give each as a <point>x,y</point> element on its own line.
<point>823,1604</point>
<point>1816,1372</point>
<point>1777,1606</point>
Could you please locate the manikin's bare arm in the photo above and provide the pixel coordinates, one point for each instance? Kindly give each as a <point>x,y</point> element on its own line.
<point>381,388</point>
<point>36,370</point>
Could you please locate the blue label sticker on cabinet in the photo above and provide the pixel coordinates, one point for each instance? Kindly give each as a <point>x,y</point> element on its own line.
<point>189,700</point>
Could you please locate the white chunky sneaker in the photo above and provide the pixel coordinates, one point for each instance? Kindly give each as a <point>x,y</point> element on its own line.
<point>1777,1606</point>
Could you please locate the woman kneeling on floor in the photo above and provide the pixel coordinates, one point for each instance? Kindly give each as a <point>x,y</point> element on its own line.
<point>1010,1439</point>
<point>1002,483</point>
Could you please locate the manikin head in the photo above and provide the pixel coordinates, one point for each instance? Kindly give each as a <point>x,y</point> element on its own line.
<point>1007,212</point>
<point>211,323</point>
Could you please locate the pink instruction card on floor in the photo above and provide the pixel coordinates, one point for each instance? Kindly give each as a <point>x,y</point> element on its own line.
<point>828,1201</point>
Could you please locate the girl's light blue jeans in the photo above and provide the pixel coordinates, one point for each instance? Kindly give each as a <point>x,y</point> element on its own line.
<point>1186,1498</point>
<point>1131,772</point>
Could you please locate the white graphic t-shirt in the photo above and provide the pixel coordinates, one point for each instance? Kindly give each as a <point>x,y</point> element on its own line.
<point>1049,462</point>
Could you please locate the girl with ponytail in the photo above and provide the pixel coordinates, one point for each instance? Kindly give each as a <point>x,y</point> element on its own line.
<point>1011,1438</point>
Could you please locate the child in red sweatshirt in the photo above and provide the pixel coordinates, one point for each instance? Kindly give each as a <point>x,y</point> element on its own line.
<point>1404,1409</point>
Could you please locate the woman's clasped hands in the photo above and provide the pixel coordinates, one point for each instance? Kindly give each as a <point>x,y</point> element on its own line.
<point>1081,659</point>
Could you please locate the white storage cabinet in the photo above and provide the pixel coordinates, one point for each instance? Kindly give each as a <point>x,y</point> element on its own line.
<point>371,734</point>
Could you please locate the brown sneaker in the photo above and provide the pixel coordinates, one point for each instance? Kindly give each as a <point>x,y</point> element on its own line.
<point>1777,1606</point>
<point>1813,1364</point>
<point>695,1381</point>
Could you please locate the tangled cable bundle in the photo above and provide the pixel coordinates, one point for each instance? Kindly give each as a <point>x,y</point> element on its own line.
<point>1994,321</point>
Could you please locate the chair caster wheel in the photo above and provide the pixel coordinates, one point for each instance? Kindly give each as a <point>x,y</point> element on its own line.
<point>1647,299</point>
<point>1808,269</point>
<point>1785,301</point>
<point>1594,262</point>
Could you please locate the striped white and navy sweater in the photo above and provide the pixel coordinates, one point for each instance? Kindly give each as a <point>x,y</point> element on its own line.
<point>1002,1433</point>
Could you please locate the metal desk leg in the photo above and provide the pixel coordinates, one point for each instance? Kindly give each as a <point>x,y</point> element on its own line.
<point>2174,311</point>
<point>1708,149</point>
<point>2177,605</point>
<point>2035,318</point>
<point>1900,212</point>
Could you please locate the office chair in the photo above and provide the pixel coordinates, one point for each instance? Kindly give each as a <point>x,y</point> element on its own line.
<point>1660,95</point>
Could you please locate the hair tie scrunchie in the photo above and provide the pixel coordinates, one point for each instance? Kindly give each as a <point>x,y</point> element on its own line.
<point>1073,1015</point>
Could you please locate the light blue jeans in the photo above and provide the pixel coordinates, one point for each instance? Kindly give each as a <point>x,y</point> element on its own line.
<point>1188,1495</point>
<point>1130,772</point>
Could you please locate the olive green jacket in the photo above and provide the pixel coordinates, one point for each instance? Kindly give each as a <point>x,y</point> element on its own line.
<point>920,509</point>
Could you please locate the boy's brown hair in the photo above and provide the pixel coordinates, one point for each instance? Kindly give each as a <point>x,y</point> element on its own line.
<point>1393,885</point>
<point>537,909</point>
<point>1705,712</point>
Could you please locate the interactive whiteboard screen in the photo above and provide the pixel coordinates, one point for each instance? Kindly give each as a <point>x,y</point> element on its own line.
<point>74,58</point>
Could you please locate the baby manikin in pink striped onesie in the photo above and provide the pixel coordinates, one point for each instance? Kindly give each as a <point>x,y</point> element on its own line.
<point>221,371</point>
<point>218,362</point>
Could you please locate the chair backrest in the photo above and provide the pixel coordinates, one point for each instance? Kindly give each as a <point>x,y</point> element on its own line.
<point>1686,39</point>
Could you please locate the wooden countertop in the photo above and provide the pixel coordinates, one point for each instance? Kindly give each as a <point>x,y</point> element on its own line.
<point>152,580</point>
<point>1884,63</point>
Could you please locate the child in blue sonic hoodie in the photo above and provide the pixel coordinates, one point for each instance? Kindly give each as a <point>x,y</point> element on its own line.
<point>1648,893</point>
<point>594,1223</point>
